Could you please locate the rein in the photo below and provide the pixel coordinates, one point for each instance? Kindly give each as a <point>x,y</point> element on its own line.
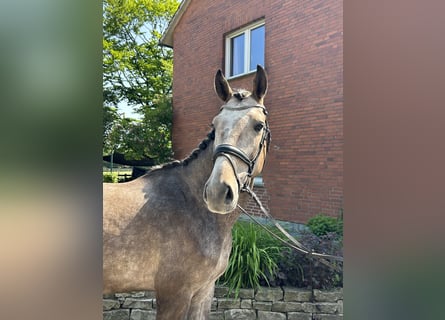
<point>295,244</point>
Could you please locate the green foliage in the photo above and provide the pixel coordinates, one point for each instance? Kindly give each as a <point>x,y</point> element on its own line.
<point>136,67</point>
<point>321,225</point>
<point>137,71</point>
<point>253,258</point>
<point>289,266</point>
<point>110,177</point>
<point>257,258</point>
<point>146,138</point>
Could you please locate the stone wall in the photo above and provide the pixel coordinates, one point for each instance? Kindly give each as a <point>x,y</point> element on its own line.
<point>264,304</point>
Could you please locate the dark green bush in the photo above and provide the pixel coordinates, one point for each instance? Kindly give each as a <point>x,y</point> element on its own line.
<point>321,225</point>
<point>299,270</point>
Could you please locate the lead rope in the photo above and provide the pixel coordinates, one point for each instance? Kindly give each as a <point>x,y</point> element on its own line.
<point>295,243</point>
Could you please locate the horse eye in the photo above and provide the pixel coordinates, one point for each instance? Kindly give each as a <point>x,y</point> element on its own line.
<point>258,127</point>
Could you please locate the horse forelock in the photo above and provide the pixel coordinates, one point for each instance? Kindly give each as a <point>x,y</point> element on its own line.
<point>241,94</point>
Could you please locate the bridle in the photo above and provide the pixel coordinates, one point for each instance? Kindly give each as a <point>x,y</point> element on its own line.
<point>228,150</point>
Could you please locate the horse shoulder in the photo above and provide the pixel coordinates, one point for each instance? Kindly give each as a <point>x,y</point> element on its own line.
<point>121,203</point>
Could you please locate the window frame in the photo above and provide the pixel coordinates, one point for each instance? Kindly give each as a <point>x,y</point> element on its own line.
<point>228,47</point>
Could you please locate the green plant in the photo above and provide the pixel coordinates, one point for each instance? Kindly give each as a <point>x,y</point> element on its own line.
<point>321,225</point>
<point>253,258</point>
<point>110,177</point>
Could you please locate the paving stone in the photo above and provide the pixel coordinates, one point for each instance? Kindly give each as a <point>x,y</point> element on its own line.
<point>340,306</point>
<point>240,314</point>
<point>121,314</point>
<point>299,316</point>
<point>246,293</point>
<point>122,296</point>
<point>297,294</point>
<point>328,296</point>
<point>308,307</point>
<point>132,303</point>
<point>281,306</point>
<point>217,315</point>
<point>214,304</point>
<point>109,304</point>
<point>220,292</point>
<point>269,294</point>
<point>246,303</point>
<point>262,305</point>
<point>137,294</point>
<point>138,314</point>
<point>226,303</point>
<point>268,315</point>
<point>326,307</point>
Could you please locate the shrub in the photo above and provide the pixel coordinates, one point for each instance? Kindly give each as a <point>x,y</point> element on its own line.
<point>253,259</point>
<point>321,225</point>
<point>110,177</point>
<point>299,270</point>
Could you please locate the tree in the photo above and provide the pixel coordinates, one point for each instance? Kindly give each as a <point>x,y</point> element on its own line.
<point>137,71</point>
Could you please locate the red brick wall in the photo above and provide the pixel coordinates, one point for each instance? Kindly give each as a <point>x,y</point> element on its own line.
<point>252,207</point>
<point>304,171</point>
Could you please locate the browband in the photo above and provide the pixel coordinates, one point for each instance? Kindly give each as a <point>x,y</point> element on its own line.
<point>245,107</point>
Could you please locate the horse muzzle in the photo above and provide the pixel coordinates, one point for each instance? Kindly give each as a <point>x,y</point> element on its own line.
<point>221,191</point>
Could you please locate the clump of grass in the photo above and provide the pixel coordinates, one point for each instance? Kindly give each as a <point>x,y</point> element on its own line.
<point>110,177</point>
<point>253,258</point>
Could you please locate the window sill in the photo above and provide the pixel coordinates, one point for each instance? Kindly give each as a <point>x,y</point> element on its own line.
<point>241,75</point>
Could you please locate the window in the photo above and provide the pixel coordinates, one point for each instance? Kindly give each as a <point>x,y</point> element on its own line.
<point>245,49</point>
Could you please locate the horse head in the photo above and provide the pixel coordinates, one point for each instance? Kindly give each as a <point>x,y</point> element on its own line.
<point>241,142</point>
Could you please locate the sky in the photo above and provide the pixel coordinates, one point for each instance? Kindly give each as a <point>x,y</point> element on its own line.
<point>123,107</point>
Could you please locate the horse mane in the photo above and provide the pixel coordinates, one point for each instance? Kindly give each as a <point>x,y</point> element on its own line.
<point>193,155</point>
<point>202,146</point>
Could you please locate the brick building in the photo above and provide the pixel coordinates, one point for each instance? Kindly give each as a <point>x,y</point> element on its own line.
<point>300,43</point>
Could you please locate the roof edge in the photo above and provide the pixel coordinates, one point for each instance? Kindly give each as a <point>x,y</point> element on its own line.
<point>167,37</point>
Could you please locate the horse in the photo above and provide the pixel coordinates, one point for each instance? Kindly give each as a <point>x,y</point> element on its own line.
<point>170,229</point>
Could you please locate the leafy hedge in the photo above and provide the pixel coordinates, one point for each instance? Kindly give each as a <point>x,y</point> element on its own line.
<point>321,225</point>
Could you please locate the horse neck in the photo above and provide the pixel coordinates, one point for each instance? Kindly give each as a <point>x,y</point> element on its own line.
<point>197,172</point>
<point>198,169</point>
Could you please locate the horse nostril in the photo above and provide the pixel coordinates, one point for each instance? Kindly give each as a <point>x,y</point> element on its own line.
<point>229,196</point>
<point>205,194</point>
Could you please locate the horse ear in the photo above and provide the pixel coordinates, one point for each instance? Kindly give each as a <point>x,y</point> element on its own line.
<point>222,87</point>
<point>259,84</point>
